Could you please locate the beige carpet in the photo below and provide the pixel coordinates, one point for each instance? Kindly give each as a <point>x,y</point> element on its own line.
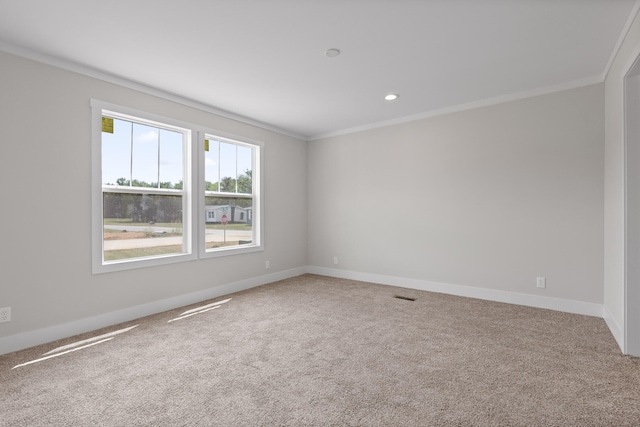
<point>320,351</point>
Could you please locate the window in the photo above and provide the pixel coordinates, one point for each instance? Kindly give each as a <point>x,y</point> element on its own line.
<point>146,173</point>
<point>230,192</point>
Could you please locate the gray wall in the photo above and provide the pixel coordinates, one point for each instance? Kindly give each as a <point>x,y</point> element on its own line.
<point>45,170</point>
<point>488,198</point>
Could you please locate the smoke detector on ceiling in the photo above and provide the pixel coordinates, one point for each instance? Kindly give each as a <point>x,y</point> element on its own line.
<point>332,53</point>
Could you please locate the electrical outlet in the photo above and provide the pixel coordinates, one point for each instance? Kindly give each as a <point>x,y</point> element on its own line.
<point>5,314</point>
<point>335,260</point>
<point>267,265</point>
<point>541,282</point>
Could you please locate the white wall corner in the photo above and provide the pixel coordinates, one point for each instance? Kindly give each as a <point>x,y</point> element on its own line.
<point>42,336</point>
<point>557,304</point>
<point>616,330</point>
<point>621,38</point>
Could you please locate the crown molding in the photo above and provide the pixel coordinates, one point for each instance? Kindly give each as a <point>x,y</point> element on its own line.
<point>621,38</point>
<point>464,107</point>
<point>140,87</point>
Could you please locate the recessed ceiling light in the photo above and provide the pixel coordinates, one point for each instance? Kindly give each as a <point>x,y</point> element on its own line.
<point>391,97</point>
<point>332,53</point>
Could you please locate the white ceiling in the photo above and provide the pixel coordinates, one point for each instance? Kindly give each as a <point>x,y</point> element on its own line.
<point>264,59</point>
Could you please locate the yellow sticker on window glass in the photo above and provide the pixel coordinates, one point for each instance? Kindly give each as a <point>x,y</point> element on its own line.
<point>107,124</point>
<point>206,145</point>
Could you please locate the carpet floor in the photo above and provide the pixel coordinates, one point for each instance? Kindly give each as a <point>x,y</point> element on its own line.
<point>319,351</point>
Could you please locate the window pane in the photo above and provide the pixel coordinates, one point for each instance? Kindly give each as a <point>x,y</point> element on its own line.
<point>145,156</point>
<point>211,165</point>
<point>228,171</point>
<point>116,154</point>
<point>171,175</point>
<point>245,164</point>
<point>238,215</point>
<point>137,225</point>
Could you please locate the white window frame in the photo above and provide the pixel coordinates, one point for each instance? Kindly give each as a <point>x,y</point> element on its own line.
<point>193,193</point>
<point>100,108</point>
<point>257,205</point>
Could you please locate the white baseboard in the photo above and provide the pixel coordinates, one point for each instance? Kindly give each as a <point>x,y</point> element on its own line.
<point>557,304</point>
<point>42,336</point>
<point>616,330</point>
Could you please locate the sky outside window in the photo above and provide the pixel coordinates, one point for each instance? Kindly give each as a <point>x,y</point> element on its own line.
<point>170,156</point>
<point>145,153</point>
<point>228,162</point>
<point>141,143</point>
<point>116,153</point>
<point>212,162</point>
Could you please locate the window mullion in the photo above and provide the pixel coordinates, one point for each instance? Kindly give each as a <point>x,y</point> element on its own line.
<point>158,179</point>
<point>142,190</point>
<point>131,157</point>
